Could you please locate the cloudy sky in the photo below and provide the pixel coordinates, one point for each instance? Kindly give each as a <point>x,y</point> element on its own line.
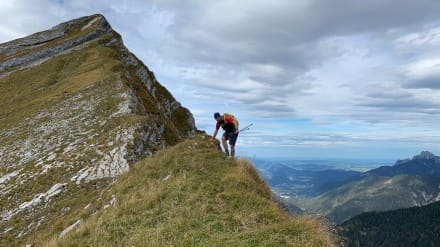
<point>318,79</point>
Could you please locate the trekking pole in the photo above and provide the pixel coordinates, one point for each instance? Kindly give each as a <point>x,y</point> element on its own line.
<point>246,128</point>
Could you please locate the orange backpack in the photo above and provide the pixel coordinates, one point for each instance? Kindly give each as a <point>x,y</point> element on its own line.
<point>230,115</point>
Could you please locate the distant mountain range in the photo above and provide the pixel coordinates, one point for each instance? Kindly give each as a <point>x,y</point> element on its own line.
<point>375,193</point>
<point>415,226</point>
<point>388,193</point>
<point>410,182</point>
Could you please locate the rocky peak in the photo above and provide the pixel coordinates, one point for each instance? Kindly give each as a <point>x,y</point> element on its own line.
<point>78,109</point>
<point>38,47</point>
<point>425,155</point>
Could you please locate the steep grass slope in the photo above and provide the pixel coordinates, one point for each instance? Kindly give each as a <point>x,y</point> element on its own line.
<point>192,195</point>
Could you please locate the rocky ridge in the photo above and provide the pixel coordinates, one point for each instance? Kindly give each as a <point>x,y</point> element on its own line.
<point>79,109</point>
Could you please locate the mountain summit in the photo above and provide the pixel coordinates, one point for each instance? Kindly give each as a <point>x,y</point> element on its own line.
<point>77,110</point>
<point>426,155</point>
<point>38,47</point>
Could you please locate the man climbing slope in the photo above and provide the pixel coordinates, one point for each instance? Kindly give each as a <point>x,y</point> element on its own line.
<point>230,125</point>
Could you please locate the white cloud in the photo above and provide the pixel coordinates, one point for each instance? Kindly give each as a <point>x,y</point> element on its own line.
<point>423,68</point>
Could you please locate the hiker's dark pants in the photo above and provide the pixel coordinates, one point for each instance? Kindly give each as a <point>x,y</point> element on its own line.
<point>231,137</point>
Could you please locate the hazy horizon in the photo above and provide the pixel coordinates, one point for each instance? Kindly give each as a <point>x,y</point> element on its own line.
<point>293,153</point>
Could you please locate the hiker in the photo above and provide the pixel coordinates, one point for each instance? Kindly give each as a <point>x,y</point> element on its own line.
<point>230,125</point>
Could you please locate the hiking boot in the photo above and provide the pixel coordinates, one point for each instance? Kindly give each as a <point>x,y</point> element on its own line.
<point>227,152</point>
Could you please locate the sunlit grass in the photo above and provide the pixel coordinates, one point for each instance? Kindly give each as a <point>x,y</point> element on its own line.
<point>191,195</point>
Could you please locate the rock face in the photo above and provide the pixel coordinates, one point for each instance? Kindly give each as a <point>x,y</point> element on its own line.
<point>78,109</point>
<point>33,49</point>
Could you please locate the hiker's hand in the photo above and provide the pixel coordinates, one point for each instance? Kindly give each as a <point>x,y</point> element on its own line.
<point>236,131</point>
<point>211,139</point>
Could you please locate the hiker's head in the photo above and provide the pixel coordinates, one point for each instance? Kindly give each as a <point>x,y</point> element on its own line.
<point>217,116</point>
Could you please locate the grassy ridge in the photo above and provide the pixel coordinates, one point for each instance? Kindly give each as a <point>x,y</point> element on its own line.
<point>191,195</point>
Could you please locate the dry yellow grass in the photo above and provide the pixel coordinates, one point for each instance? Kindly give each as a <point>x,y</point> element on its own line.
<point>191,195</point>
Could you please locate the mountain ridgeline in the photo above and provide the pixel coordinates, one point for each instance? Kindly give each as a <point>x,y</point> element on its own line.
<point>423,164</point>
<point>408,183</point>
<point>78,111</point>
